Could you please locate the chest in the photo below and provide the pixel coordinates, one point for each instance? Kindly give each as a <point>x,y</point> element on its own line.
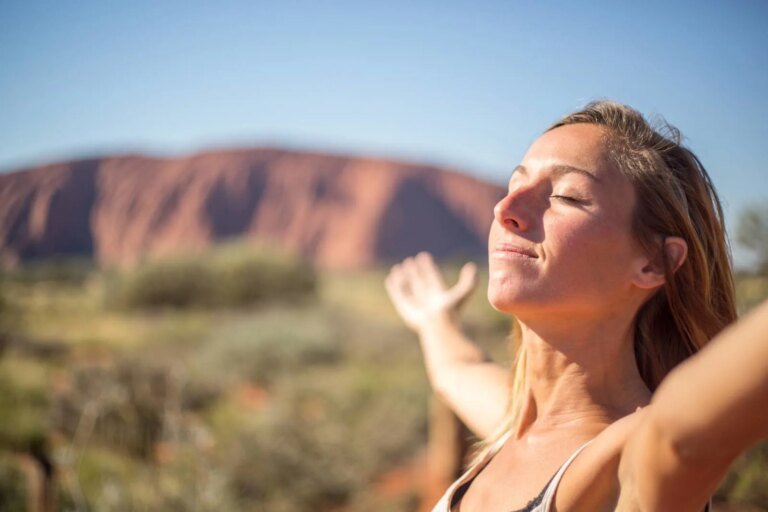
<point>513,477</point>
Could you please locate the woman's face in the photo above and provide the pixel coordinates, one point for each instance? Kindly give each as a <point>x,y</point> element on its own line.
<point>561,239</point>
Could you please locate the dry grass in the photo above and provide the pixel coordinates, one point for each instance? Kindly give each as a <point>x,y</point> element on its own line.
<point>345,379</point>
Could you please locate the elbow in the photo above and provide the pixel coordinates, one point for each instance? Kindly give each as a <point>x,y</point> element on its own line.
<point>677,440</point>
<point>679,445</point>
<point>668,467</point>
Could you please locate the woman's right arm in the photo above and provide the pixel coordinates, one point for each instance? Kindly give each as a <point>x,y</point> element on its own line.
<point>704,415</point>
<point>460,373</point>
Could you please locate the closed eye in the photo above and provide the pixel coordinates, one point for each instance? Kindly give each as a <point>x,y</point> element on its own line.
<point>567,199</point>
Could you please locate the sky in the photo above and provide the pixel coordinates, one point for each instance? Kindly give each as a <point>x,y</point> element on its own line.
<point>467,84</point>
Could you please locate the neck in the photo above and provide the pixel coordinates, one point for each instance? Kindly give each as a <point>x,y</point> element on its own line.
<point>579,372</point>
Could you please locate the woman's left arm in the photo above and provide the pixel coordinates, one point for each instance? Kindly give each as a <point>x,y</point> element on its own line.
<point>704,415</point>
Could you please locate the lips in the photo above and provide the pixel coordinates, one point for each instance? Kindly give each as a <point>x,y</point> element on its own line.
<point>505,249</point>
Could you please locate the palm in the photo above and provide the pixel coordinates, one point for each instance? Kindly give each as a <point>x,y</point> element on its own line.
<point>420,295</point>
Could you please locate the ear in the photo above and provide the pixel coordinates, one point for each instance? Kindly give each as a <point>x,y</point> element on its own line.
<point>651,272</point>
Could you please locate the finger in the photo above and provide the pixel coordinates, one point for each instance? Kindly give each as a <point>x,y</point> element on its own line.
<point>466,284</point>
<point>399,293</point>
<point>397,289</point>
<point>393,288</point>
<point>413,276</point>
<point>428,269</point>
<point>396,283</point>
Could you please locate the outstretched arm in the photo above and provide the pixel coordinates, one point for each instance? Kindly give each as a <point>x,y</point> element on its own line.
<point>472,385</point>
<point>707,412</point>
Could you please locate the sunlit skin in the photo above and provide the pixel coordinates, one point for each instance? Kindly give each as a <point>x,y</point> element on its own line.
<point>575,290</point>
<point>564,262</point>
<point>567,205</point>
<point>577,293</point>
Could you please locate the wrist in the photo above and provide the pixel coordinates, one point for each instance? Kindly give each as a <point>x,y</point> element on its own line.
<point>438,324</point>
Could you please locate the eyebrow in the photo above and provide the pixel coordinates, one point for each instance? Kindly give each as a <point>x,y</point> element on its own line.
<point>560,170</point>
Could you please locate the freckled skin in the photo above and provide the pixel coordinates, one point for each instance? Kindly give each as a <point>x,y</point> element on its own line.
<point>563,261</point>
<point>585,249</point>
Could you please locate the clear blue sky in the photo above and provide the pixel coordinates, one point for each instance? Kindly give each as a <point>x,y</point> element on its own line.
<point>468,84</point>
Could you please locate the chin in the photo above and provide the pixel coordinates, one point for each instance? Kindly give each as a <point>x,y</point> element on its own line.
<point>519,296</point>
<point>504,301</point>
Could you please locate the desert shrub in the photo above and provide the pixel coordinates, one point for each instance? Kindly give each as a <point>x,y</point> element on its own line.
<point>747,482</point>
<point>113,482</point>
<point>269,343</point>
<point>13,490</point>
<point>751,290</point>
<point>9,315</point>
<point>24,403</point>
<point>64,271</point>
<point>752,234</point>
<point>245,275</point>
<point>128,444</point>
<point>122,406</point>
<point>180,282</point>
<point>229,276</point>
<point>328,435</point>
<point>24,428</point>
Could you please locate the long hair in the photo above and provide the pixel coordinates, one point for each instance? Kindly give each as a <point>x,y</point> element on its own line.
<point>674,197</point>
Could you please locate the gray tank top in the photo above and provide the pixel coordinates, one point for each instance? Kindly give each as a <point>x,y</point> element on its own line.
<point>542,503</point>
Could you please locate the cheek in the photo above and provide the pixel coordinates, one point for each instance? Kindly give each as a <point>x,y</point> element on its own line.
<point>590,253</point>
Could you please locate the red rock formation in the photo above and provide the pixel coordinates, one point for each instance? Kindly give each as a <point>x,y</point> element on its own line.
<point>338,211</point>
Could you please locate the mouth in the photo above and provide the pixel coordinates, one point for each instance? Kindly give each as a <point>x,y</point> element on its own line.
<point>507,250</point>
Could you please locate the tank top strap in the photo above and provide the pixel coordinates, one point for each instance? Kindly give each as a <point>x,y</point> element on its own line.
<point>549,492</point>
<point>446,502</point>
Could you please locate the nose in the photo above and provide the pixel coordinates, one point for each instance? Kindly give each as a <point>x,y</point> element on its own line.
<point>510,211</point>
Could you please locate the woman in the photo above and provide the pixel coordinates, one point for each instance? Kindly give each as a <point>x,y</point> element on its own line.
<point>610,252</point>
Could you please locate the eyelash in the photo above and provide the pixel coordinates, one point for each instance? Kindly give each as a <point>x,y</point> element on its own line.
<point>567,199</point>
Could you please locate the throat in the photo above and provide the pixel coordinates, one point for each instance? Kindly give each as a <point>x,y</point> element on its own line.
<point>577,382</point>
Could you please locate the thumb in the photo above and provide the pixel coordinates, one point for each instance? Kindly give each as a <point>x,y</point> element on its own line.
<point>465,285</point>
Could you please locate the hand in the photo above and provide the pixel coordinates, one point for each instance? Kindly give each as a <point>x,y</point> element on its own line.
<point>420,295</point>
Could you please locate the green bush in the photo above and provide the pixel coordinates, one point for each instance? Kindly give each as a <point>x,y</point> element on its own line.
<point>229,276</point>
<point>751,290</point>
<point>328,435</point>
<point>752,233</point>
<point>345,403</point>
<point>104,480</point>
<point>258,349</point>
<point>747,482</point>
<point>5,316</point>
<point>335,419</point>
<point>65,271</point>
<point>245,275</point>
<point>24,406</point>
<point>13,486</point>
<point>121,406</point>
<point>181,282</point>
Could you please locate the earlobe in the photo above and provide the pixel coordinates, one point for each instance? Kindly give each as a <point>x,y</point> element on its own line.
<point>652,272</point>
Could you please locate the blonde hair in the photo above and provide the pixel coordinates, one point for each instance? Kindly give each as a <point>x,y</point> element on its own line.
<point>674,197</point>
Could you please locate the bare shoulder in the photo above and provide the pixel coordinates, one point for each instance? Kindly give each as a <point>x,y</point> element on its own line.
<point>591,482</point>
<point>614,437</point>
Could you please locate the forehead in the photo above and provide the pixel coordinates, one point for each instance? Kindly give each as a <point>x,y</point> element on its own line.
<point>584,146</point>
<point>578,145</point>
